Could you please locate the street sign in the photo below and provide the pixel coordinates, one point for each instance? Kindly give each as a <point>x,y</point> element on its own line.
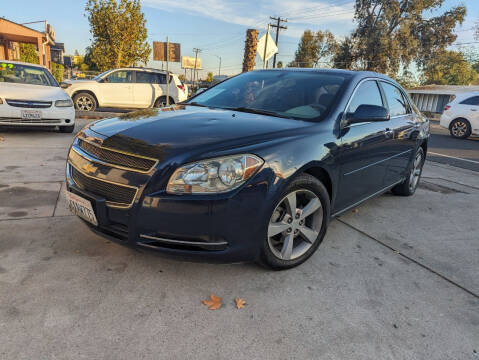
<point>271,48</point>
<point>188,62</point>
<point>159,51</point>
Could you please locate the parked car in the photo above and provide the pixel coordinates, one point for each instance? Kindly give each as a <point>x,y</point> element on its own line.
<point>30,95</point>
<point>125,88</point>
<point>251,169</point>
<point>461,115</point>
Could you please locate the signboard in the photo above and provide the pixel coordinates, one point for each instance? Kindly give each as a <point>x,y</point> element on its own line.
<point>159,51</point>
<point>271,47</point>
<point>188,62</point>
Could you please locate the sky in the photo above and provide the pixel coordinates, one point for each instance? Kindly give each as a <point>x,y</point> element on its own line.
<point>217,27</point>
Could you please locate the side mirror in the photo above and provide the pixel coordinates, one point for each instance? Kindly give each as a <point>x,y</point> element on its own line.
<point>65,85</point>
<point>367,113</point>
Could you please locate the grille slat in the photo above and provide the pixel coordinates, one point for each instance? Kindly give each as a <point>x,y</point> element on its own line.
<point>118,194</point>
<point>30,121</point>
<point>29,103</point>
<point>117,158</point>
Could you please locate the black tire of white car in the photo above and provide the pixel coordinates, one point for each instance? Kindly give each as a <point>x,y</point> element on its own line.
<point>85,102</point>
<point>460,128</point>
<point>161,102</point>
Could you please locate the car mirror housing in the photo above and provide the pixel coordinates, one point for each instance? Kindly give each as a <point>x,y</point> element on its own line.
<point>367,113</point>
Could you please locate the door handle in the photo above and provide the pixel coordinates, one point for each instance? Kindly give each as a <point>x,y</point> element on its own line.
<point>388,132</point>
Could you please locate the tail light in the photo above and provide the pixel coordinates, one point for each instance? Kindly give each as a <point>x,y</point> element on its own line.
<point>447,107</point>
<point>181,87</point>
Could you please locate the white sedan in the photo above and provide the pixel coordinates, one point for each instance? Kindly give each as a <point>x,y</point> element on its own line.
<point>30,95</point>
<point>461,115</point>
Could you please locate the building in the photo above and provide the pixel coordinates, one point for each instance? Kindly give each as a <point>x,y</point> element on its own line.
<point>13,34</point>
<point>57,51</point>
<point>432,99</point>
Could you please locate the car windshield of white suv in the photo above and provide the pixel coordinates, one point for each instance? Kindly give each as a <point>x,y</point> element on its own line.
<point>24,74</point>
<point>304,95</point>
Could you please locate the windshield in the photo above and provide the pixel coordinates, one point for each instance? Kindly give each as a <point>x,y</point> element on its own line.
<point>24,74</point>
<point>304,95</point>
<point>99,76</point>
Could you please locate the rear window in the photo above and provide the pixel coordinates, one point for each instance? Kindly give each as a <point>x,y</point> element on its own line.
<point>25,74</point>
<point>474,100</point>
<point>395,99</point>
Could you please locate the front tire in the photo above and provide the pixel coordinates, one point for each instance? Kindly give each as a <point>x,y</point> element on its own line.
<point>161,102</point>
<point>409,186</point>
<point>85,102</point>
<point>297,224</point>
<point>460,128</point>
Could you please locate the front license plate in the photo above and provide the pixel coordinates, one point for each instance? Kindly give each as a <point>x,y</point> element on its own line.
<point>31,114</point>
<point>81,207</point>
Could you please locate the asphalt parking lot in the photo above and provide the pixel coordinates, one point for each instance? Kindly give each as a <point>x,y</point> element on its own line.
<point>398,278</point>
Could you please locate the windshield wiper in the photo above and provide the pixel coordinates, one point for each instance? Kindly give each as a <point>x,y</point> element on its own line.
<point>259,111</point>
<point>196,104</point>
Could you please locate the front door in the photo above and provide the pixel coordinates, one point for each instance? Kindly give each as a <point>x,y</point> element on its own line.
<point>364,151</point>
<point>116,89</point>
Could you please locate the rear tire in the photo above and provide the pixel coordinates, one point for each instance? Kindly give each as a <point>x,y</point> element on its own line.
<point>84,101</point>
<point>409,186</point>
<point>297,224</point>
<point>67,129</point>
<point>460,128</point>
<point>161,102</point>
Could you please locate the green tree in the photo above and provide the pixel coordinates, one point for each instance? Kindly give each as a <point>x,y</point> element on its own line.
<point>394,33</point>
<point>57,71</point>
<point>407,80</point>
<point>87,59</point>
<point>118,28</point>
<point>449,68</point>
<point>314,47</point>
<point>182,77</point>
<point>209,77</point>
<point>28,53</point>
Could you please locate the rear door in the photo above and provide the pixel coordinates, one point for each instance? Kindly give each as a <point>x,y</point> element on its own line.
<point>470,107</point>
<point>116,89</point>
<point>364,150</point>
<point>145,88</point>
<point>403,133</point>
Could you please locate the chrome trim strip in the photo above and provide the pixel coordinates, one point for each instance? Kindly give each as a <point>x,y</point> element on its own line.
<point>124,153</point>
<point>377,162</point>
<point>86,155</point>
<point>109,203</point>
<point>182,242</point>
<point>367,198</point>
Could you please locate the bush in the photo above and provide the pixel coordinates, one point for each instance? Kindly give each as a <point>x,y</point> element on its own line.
<point>57,71</point>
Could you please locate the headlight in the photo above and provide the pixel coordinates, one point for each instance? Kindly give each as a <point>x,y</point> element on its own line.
<point>64,103</point>
<point>213,175</point>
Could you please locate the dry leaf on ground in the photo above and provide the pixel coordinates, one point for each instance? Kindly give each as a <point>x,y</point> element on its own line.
<point>240,303</point>
<point>214,303</point>
<point>356,211</point>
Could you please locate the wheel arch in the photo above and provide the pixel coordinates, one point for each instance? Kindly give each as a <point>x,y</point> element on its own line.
<point>320,173</point>
<point>172,101</point>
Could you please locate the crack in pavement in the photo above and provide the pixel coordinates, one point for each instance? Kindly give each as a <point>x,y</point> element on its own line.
<point>470,292</point>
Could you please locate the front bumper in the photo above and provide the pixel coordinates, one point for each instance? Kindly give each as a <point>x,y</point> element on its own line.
<point>52,116</point>
<point>213,228</point>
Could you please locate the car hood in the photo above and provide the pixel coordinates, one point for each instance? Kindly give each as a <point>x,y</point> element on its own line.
<point>163,133</point>
<point>32,92</point>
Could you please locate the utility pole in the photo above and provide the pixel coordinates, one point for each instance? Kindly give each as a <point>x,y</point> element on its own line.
<point>277,26</point>
<point>195,75</point>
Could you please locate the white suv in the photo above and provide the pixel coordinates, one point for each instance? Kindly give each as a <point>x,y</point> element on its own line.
<point>461,116</point>
<point>125,88</point>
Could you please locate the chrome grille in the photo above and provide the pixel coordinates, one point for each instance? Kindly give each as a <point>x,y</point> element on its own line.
<point>29,103</point>
<point>115,194</point>
<point>117,158</point>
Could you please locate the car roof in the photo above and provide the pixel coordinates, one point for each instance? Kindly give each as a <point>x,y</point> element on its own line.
<point>353,73</point>
<point>23,63</point>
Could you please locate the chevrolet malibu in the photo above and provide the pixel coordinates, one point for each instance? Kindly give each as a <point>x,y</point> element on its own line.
<point>30,95</point>
<point>253,168</point>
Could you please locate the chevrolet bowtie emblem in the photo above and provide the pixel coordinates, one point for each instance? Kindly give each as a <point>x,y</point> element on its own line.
<point>89,168</point>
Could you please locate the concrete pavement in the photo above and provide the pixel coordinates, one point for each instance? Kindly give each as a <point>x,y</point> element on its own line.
<point>396,279</point>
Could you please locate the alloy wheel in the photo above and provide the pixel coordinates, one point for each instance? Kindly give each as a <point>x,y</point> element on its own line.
<point>415,172</point>
<point>459,128</point>
<point>295,224</point>
<point>84,103</point>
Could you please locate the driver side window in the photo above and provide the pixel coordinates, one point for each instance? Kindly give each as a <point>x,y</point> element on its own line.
<point>366,94</point>
<point>121,76</point>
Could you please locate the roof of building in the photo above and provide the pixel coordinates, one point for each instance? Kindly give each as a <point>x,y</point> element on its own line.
<point>26,27</point>
<point>443,89</point>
